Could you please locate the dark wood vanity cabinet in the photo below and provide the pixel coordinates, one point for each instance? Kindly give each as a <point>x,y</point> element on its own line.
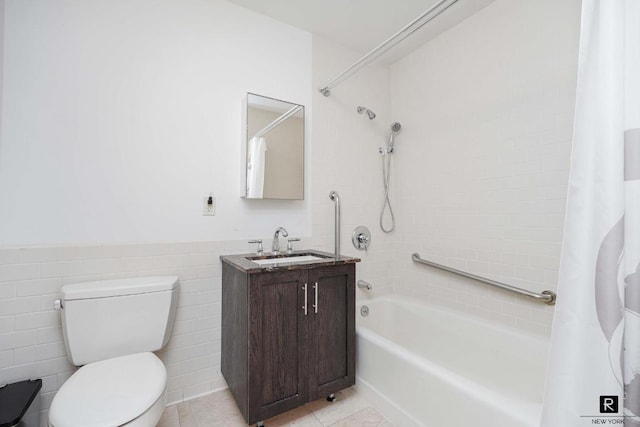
<point>288,336</point>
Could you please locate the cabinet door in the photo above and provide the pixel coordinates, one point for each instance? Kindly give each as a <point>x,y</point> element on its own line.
<point>331,329</point>
<point>278,357</point>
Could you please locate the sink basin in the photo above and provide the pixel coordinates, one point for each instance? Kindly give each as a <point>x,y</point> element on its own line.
<point>300,259</point>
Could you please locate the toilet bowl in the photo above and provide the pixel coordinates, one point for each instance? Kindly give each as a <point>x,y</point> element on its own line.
<point>111,328</point>
<point>123,391</point>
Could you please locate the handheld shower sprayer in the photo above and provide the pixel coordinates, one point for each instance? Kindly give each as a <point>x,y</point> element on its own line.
<point>395,128</point>
<point>370,113</point>
<point>386,175</point>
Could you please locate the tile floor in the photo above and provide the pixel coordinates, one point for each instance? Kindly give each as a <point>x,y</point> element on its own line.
<point>219,409</point>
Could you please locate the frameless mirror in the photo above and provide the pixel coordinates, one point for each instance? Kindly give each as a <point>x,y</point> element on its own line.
<point>273,149</point>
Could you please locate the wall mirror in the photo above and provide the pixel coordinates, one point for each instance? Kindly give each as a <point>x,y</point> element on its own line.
<point>273,149</point>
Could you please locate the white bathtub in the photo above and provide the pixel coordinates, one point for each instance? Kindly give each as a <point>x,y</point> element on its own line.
<point>431,367</point>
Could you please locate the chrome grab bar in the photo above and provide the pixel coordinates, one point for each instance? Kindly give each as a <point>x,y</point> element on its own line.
<point>547,297</point>
<point>333,195</point>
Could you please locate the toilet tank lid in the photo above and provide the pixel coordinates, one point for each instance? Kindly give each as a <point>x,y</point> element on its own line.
<point>118,287</point>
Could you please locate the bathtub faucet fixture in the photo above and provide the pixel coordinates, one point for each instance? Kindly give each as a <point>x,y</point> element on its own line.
<point>364,285</point>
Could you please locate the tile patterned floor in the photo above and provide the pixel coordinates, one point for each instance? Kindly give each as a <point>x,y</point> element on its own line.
<point>219,409</point>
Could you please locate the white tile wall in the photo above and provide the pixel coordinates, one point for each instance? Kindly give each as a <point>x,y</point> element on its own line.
<point>345,158</point>
<point>31,343</point>
<point>483,159</point>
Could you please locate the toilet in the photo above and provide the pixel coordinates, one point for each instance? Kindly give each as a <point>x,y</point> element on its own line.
<point>110,329</point>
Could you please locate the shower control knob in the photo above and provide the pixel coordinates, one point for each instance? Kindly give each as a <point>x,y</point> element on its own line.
<point>361,238</point>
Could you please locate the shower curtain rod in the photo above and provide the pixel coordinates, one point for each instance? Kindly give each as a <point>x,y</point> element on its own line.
<point>279,120</point>
<point>405,32</point>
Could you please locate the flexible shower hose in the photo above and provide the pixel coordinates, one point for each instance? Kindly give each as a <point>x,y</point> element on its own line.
<point>386,175</point>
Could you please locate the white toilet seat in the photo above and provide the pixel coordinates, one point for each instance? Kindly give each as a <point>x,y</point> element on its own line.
<point>127,390</point>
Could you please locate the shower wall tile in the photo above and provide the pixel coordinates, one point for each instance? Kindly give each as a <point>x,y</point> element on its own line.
<point>345,158</point>
<point>31,342</point>
<point>482,163</point>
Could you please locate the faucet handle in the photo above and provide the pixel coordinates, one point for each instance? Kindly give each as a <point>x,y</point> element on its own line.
<point>260,250</point>
<point>290,245</point>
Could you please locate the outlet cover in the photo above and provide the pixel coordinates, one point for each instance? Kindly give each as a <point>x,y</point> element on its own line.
<point>209,209</point>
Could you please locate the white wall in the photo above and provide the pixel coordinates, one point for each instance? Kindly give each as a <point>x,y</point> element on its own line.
<point>483,159</point>
<point>119,117</point>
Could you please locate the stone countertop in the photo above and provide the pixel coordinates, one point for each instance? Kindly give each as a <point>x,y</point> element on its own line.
<point>241,262</point>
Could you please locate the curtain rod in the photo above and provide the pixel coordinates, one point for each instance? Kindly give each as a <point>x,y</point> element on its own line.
<point>405,32</point>
<point>279,120</point>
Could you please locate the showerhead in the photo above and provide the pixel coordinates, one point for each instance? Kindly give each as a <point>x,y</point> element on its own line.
<point>370,113</point>
<point>395,128</point>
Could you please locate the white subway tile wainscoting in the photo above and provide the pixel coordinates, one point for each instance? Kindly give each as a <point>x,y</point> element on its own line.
<point>31,344</point>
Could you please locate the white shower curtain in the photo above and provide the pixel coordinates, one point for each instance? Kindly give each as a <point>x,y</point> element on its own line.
<point>256,160</point>
<point>594,366</point>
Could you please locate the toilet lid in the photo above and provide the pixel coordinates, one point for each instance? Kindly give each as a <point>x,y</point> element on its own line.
<point>111,392</point>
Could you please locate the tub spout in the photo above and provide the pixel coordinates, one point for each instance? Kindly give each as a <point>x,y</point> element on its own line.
<point>364,285</point>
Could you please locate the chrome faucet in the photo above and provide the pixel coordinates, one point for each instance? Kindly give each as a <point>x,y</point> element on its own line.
<point>275,246</point>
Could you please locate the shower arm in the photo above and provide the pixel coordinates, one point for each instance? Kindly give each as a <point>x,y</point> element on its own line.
<point>377,51</point>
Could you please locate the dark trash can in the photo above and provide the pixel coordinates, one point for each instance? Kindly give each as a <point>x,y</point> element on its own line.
<point>20,404</point>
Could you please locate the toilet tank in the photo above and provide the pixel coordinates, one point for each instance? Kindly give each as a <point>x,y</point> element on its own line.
<point>112,318</point>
